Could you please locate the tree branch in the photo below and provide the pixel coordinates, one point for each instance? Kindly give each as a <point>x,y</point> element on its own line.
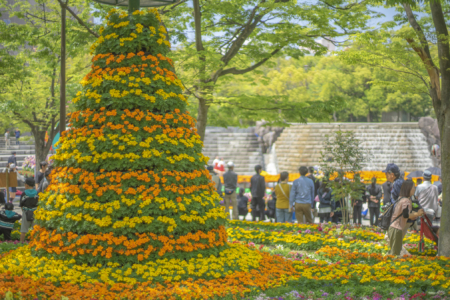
<point>164,11</point>
<point>81,22</point>
<point>347,7</point>
<point>198,26</point>
<point>249,69</point>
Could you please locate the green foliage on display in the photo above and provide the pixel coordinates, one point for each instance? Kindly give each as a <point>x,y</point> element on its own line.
<point>342,154</point>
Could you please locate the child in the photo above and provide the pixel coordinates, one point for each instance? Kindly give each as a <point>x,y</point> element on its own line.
<point>28,203</point>
<point>7,219</point>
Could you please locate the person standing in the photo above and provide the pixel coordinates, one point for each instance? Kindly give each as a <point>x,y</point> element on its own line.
<point>29,203</point>
<point>7,141</point>
<point>393,175</point>
<point>242,203</point>
<point>215,162</point>
<point>46,182</point>
<point>427,194</point>
<point>358,200</point>
<point>13,190</point>
<point>316,184</point>
<point>214,178</point>
<point>230,180</point>
<point>301,197</point>
<point>12,159</point>
<point>258,189</point>
<point>17,134</point>
<point>326,202</point>
<point>41,173</point>
<point>7,219</point>
<point>374,193</point>
<point>402,212</point>
<point>438,183</point>
<point>221,166</point>
<point>282,192</point>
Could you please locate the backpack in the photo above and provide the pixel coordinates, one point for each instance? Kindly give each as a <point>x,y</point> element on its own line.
<point>384,221</point>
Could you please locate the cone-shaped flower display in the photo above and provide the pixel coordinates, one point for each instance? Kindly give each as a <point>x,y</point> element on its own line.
<point>130,184</point>
<point>130,201</point>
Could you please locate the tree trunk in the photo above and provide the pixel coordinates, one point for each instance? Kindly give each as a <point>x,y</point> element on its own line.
<point>202,118</point>
<point>39,141</point>
<point>41,148</point>
<point>444,237</point>
<point>368,117</point>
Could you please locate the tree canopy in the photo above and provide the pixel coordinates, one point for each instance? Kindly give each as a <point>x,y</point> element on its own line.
<point>30,59</point>
<point>236,37</point>
<point>322,88</point>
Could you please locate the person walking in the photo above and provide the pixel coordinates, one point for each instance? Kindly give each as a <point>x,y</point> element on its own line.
<point>301,197</point>
<point>258,190</point>
<point>402,212</point>
<point>282,192</point>
<point>17,134</point>
<point>230,180</point>
<point>374,192</point>
<point>358,199</point>
<point>327,204</point>
<point>393,175</point>
<point>7,140</point>
<point>242,203</point>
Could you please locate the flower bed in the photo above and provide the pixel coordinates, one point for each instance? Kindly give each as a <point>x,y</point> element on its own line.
<point>131,213</point>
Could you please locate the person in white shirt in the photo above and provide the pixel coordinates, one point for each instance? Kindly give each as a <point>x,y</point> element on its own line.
<point>427,194</point>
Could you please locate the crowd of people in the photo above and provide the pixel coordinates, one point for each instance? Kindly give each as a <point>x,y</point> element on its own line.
<point>308,197</point>
<point>28,201</point>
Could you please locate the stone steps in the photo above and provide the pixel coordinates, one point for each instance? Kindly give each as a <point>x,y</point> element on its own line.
<point>239,145</point>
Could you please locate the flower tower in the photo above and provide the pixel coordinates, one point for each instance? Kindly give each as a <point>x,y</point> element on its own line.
<point>130,184</point>
<point>131,207</point>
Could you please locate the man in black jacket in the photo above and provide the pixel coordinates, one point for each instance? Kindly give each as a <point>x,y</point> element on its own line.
<point>258,189</point>
<point>374,193</point>
<point>316,185</point>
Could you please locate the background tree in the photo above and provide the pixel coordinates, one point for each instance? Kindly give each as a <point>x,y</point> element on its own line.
<point>342,155</point>
<point>236,37</point>
<point>420,51</point>
<point>30,73</point>
<point>326,87</point>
